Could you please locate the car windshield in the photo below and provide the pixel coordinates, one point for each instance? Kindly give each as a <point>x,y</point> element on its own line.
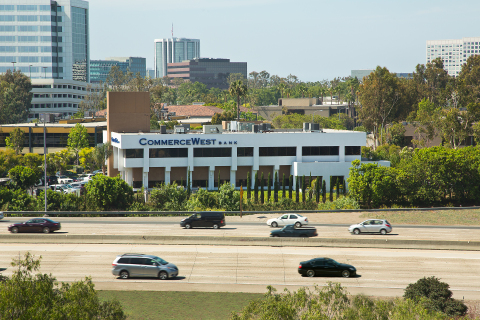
<point>160,260</point>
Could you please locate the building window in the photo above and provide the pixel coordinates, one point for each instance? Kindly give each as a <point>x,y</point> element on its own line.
<point>245,152</point>
<point>169,153</point>
<point>320,151</point>
<point>277,151</point>
<point>133,153</point>
<point>353,150</point>
<point>212,152</point>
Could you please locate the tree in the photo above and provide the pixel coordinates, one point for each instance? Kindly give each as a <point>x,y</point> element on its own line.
<point>269,186</point>
<point>107,193</point>
<point>380,98</point>
<point>168,197</point>
<point>15,97</point>
<point>228,198</point>
<point>77,139</point>
<point>26,295</point>
<point>255,188</point>
<point>101,153</point>
<point>16,140</point>
<point>262,188</point>
<point>238,89</point>
<point>469,81</point>
<point>438,294</point>
<point>23,178</point>
<point>94,100</point>
<point>87,159</point>
<point>249,186</point>
<point>324,191</point>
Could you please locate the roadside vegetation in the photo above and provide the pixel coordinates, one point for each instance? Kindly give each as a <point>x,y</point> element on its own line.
<point>464,217</point>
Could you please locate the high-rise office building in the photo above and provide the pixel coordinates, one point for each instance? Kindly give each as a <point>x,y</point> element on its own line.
<point>45,38</point>
<point>174,50</point>
<point>99,69</point>
<point>454,53</point>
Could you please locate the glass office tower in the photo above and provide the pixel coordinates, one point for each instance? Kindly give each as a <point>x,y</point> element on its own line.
<point>454,53</point>
<point>45,38</point>
<point>174,50</point>
<point>99,69</point>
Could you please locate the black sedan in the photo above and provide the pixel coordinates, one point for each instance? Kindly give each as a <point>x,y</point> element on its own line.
<point>325,267</point>
<point>35,225</point>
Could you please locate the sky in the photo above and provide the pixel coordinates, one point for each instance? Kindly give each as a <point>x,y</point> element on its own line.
<point>314,40</point>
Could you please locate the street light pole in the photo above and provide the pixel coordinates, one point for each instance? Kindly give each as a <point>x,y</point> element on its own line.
<point>45,71</point>
<point>13,64</point>
<point>45,157</point>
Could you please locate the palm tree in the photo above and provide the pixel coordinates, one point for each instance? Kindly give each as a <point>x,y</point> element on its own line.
<point>281,87</point>
<point>238,89</point>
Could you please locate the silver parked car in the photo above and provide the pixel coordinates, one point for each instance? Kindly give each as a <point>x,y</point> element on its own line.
<point>371,226</point>
<point>143,265</point>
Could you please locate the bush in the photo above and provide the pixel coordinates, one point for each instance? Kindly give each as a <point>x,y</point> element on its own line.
<point>16,200</point>
<point>228,198</point>
<point>28,296</point>
<point>438,295</point>
<point>168,197</point>
<point>107,193</point>
<point>202,200</point>
<point>342,203</point>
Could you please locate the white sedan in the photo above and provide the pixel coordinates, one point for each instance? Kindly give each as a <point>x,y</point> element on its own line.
<point>290,218</point>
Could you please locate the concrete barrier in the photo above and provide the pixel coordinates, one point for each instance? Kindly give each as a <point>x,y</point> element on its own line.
<point>242,241</point>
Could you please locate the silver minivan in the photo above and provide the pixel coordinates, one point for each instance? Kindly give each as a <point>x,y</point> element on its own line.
<point>143,266</point>
<point>381,226</point>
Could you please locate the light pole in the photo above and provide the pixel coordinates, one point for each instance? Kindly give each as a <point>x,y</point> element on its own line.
<point>13,64</point>
<point>45,156</point>
<point>45,71</point>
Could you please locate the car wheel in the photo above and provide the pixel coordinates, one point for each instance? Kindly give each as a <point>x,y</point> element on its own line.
<point>298,224</point>
<point>356,231</point>
<point>310,273</point>
<point>275,236</point>
<point>274,224</point>
<point>188,226</point>
<point>163,275</point>
<point>124,274</point>
<point>383,232</point>
<point>346,274</point>
<point>46,230</point>
<point>14,230</point>
<point>215,226</point>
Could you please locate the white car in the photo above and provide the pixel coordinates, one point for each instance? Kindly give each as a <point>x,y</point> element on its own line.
<point>290,218</point>
<point>1,215</point>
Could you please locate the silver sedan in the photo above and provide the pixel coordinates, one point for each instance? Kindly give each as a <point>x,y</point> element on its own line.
<point>371,226</point>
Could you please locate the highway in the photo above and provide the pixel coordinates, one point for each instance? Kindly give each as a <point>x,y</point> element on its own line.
<point>382,272</point>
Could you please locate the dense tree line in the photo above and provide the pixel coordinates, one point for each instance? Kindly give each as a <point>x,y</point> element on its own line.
<point>15,97</point>
<point>435,176</point>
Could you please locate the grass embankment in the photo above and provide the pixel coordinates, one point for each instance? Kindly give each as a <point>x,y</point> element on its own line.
<point>435,217</point>
<point>179,305</point>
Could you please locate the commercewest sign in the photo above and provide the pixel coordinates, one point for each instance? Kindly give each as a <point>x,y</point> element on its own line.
<point>184,142</point>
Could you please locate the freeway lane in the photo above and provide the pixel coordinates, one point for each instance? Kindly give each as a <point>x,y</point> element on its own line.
<point>382,272</point>
<point>237,227</point>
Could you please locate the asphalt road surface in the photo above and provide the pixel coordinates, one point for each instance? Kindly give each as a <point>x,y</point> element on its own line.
<point>381,272</point>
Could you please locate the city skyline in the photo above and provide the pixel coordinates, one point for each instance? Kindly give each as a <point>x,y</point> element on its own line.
<point>314,40</point>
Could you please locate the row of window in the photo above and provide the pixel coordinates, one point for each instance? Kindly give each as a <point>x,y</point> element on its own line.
<point>48,95</point>
<point>55,105</point>
<point>31,39</point>
<point>242,152</point>
<point>30,49</point>
<point>30,18</point>
<point>10,7</point>
<point>31,28</point>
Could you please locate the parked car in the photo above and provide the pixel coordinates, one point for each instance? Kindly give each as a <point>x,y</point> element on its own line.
<point>212,219</point>
<point>35,225</point>
<point>325,267</point>
<point>143,265</point>
<point>292,231</point>
<point>65,188</point>
<point>371,226</point>
<point>52,180</point>
<point>1,215</point>
<point>64,179</point>
<point>291,218</point>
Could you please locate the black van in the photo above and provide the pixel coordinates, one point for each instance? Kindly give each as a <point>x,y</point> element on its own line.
<point>204,220</point>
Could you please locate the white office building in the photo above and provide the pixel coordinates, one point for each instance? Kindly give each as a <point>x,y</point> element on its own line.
<point>148,159</point>
<point>454,53</point>
<point>174,50</point>
<point>45,38</point>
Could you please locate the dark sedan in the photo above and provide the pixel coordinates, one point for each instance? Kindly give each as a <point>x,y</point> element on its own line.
<point>35,225</point>
<point>325,267</point>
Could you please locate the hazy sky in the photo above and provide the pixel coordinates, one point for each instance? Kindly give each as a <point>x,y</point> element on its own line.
<point>313,40</point>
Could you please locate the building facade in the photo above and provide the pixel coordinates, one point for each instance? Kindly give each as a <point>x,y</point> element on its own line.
<point>211,72</point>
<point>173,50</point>
<point>61,98</point>
<point>454,53</point>
<point>45,39</point>
<point>99,69</point>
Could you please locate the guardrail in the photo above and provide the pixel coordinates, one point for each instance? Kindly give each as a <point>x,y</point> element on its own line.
<point>8,213</point>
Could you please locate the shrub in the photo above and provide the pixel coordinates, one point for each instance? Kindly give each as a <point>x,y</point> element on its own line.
<point>228,198</point>
<point>107,193</point>
<point>438,295</point>
<point>342,203</point>
<point>202,200</point>
<point>168,197</point>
